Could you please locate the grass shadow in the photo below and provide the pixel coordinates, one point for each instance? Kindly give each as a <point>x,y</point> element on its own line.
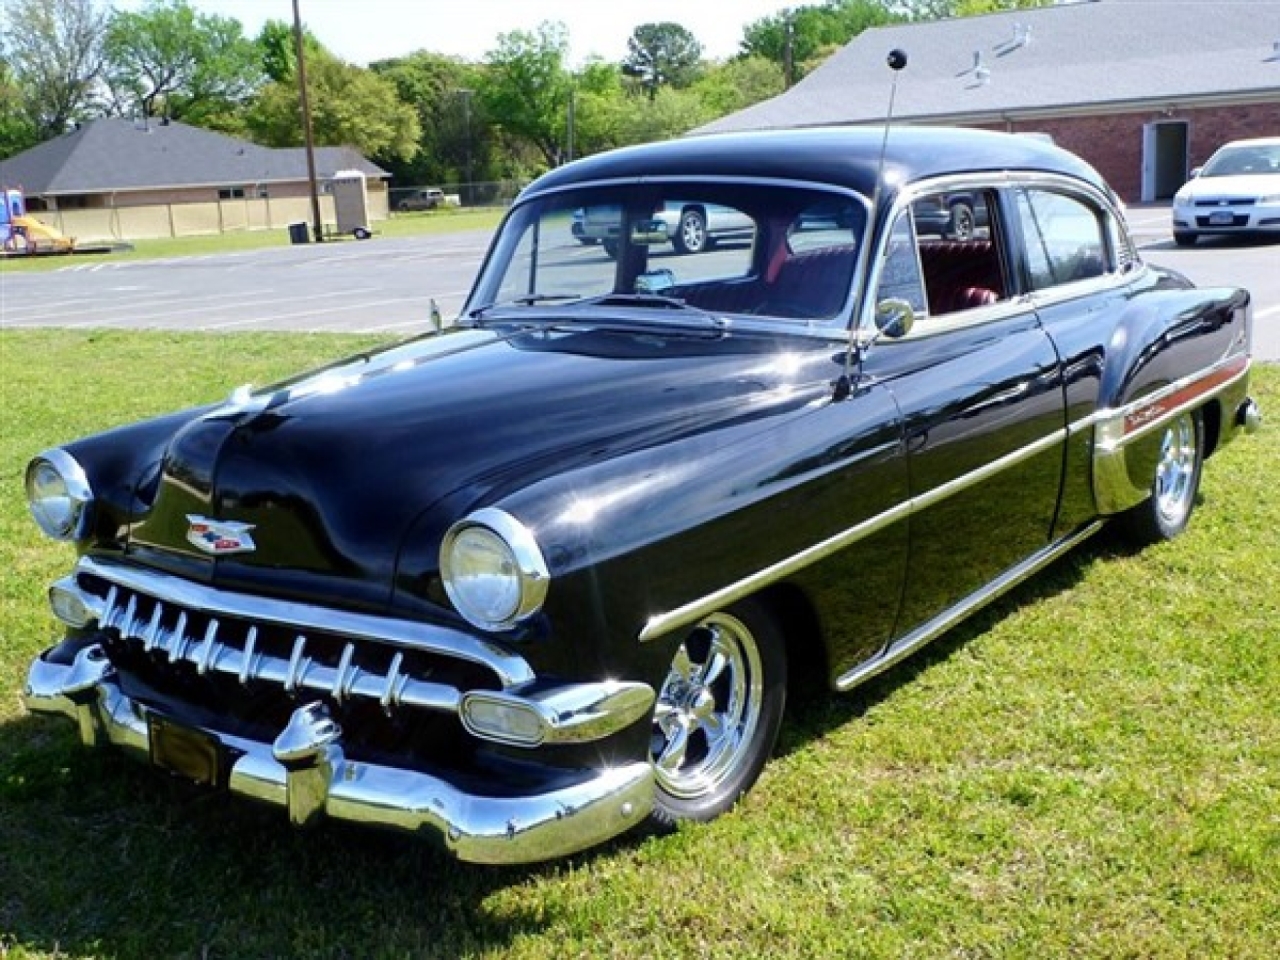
<point>106,857</point>
<point>823,710</point>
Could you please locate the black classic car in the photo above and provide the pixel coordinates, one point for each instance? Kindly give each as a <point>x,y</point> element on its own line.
<point>551,573</point>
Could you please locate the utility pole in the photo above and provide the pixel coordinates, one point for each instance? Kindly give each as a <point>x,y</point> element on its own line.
<point>317,225</point>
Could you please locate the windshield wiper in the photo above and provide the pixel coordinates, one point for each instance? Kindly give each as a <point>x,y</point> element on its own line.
<point>657,300</point>
<point>524,300</point>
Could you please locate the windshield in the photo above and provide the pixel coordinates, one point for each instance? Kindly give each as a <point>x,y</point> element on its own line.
<point>748,250</point>
<point>1243,160</point>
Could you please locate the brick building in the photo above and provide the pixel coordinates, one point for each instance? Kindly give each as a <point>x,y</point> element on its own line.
<point>1144,90</point>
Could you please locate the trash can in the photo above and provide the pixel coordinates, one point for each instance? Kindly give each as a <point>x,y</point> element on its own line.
<point>297,233</point>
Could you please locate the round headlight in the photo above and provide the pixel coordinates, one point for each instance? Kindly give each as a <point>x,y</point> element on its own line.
<point>58,494</point>
<point>493,570</point>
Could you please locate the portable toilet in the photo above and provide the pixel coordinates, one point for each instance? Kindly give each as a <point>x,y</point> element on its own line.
<point>351,203</point>
<point>15,205</point>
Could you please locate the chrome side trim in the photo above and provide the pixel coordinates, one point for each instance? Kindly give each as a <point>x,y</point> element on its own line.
<point>695,610</point>
<point>913,641</point>
<point>306,772</point>
<point>1117,429</point>
<point>511,669</point>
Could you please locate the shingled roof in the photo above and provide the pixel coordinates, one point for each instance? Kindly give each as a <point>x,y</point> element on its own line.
<point>118,155</point>
<point>1104,56</point>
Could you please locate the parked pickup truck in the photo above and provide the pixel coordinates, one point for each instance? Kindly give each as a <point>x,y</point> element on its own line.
<point>427,199</point>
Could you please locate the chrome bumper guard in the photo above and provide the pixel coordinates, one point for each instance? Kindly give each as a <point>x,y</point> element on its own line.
<point>306,772</point>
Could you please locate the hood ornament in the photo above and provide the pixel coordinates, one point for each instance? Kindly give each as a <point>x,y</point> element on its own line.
<point>219,537</point>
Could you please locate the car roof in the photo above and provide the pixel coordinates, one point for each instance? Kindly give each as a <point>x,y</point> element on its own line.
<point>837,156</point>
<point>1252,142</point>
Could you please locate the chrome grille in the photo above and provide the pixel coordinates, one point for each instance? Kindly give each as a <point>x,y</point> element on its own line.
<point>259,644</point>
<point>235,648</point>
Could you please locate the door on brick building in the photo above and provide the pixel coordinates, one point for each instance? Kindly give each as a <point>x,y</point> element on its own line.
<point>1164,159</point>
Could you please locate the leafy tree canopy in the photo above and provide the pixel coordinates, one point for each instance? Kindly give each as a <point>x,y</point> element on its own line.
<point>525,88</point>
<point>798,39</point>
<point>279,51</point>
<point>455,144</point>
<point>350,106</point>
<point>169,60</point>
<point>53,55</point>
<point>660,54</point>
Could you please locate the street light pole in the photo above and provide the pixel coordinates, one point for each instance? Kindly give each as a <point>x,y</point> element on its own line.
<point>466,113</point>
<point>316,225</point>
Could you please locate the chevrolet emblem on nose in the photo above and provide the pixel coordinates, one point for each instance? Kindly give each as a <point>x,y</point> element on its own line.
<point>220,537</point>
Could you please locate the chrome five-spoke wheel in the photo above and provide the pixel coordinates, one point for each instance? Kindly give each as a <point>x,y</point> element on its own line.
<point>1174,485</point>
<point>718,714</point>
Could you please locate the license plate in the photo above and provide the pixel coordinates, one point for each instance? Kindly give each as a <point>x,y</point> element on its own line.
<point>189,753</point>
<point>1222,218</point>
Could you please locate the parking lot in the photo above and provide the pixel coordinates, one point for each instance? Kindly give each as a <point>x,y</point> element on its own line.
<point>387,285</point>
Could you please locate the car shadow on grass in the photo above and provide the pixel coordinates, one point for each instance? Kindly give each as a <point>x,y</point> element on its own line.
<point>102,856</point>
<point>815,711</point>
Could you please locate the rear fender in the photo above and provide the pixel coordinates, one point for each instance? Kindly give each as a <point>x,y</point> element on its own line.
<point>1175,350</point>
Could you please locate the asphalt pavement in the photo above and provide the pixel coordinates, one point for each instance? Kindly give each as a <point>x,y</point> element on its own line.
<point>388,285</point>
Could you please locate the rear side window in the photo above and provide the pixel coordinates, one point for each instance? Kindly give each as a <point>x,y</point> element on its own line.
<point>1063,238</point>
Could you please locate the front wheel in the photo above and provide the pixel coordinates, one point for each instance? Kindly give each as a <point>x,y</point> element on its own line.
<point>1185,238</point>
<point>1174,487</point>
<point>718,713</point>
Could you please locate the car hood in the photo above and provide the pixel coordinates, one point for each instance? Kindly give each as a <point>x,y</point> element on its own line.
<point>1242,186</point>
<point>310,487</point>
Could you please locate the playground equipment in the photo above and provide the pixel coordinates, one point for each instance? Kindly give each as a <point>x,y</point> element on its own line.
<point>22,233</point>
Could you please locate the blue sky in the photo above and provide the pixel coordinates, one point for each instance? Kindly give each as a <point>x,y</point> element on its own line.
<point>363,30</point>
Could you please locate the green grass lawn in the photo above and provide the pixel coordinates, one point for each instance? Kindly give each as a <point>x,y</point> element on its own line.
<point>1091,768</point>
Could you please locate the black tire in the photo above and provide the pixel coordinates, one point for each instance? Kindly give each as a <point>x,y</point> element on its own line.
<point>962,224</point>
<point>404,206</point>
<point>1174,486</point>
<point>718,714</point>
<point>360,233</point>
<point>1185,238</point>
<point>691,232</point>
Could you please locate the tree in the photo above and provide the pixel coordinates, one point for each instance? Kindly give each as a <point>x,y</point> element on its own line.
<point>800,38</point>
<point>736,85</point>
<point>659,54</point>
<point>168,60</point>
<point>53,52</point>
<point>16,130</point>
<point>350,106</point>
<point>669,114</point>
<point>279,53</point>
<point>940,9</point>
<point>455,145</point>
<point>526,88</point>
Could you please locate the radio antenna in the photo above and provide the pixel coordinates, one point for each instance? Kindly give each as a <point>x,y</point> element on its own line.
<point>896,60</point>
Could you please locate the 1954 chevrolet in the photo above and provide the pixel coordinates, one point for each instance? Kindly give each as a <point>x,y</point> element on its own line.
<point>525,583</point>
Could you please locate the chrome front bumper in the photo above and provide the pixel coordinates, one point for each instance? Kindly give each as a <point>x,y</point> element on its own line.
<point>306,772</point>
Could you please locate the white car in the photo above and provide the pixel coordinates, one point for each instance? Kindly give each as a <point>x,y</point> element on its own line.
<point>1237,191</point>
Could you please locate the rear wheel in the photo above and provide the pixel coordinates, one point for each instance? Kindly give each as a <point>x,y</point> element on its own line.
<point>718,713</point>
<point>1175,485</point>
<point>962,223</point>
<point>691,232</point>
